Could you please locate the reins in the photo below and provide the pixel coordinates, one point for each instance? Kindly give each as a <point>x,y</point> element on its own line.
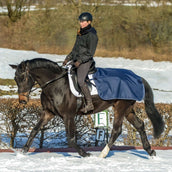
<point>55,79</point>
<point>34,88</point>
<point>50,81</point>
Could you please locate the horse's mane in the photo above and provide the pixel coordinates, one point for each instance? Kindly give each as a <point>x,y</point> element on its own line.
<point>41,63</point>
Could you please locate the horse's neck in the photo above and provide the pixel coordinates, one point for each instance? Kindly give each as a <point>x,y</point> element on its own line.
<point>42,76</point>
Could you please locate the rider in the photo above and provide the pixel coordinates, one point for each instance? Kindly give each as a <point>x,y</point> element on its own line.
<point>82,55</point>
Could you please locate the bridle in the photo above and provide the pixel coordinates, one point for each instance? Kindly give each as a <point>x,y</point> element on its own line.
<point>27,75</point>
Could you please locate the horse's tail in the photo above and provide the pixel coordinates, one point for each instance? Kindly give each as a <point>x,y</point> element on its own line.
<point>153,114</point>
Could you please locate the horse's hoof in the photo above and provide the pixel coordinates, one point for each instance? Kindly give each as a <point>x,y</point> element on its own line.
<point>152,153</point>
<point>25,150</point>
<point>87,154</point>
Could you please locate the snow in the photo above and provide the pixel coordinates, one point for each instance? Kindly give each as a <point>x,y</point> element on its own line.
<point>158,74</point>
<point>150,4</point>
<point>118,161</point>
<point>31,8</point>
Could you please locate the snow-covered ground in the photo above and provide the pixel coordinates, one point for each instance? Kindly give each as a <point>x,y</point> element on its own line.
<point>158,74</point>
<point>117,161</point>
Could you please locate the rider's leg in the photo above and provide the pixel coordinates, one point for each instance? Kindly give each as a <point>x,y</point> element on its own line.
<point>89,105</point>
<point>82,72</point>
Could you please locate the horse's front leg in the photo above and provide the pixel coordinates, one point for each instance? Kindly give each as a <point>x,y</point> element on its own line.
<point>45,117</point>
<point>71,136</point>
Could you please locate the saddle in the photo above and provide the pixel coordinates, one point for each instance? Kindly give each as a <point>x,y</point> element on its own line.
<point>74,87</point>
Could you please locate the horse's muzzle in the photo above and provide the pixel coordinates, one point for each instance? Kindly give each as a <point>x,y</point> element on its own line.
<point>23,98</point>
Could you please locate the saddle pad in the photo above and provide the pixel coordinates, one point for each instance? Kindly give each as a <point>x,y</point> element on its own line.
<point>72,87</point>
<point>118,84</point>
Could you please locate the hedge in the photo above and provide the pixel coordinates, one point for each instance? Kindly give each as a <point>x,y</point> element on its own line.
<point>17,121</point>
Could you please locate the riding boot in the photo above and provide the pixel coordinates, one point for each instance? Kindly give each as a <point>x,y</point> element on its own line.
<point>89,105</point>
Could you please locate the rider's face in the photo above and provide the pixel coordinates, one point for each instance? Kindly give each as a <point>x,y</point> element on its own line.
<point>84,24</point>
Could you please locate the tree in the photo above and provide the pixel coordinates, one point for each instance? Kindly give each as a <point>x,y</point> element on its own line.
<point>16,8</point>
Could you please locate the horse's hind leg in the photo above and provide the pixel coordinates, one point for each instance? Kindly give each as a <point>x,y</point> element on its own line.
<point>139,125</point>
<point>71,135</point>
<point>45,117</point>
<point>121,108</point>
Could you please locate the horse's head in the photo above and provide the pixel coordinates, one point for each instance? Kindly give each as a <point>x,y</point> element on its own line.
<point>24,81</point>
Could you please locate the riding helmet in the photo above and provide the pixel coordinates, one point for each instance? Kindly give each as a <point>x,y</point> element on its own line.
<point>85,17</point>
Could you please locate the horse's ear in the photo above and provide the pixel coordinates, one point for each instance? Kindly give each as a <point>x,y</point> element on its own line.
<point>13,66</point>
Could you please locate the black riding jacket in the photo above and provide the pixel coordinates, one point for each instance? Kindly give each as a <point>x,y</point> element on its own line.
<point>85,45</point>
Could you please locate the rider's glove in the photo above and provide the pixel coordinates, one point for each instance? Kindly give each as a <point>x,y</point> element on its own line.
<point>65,62</point>
<point>77,64</point>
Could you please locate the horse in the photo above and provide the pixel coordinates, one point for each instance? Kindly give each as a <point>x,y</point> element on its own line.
<point>57,99</point>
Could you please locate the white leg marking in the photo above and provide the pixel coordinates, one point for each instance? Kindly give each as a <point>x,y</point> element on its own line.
<point>104,152</point>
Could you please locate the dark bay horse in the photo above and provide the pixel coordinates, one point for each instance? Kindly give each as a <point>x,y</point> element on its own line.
<point>57,99</point>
